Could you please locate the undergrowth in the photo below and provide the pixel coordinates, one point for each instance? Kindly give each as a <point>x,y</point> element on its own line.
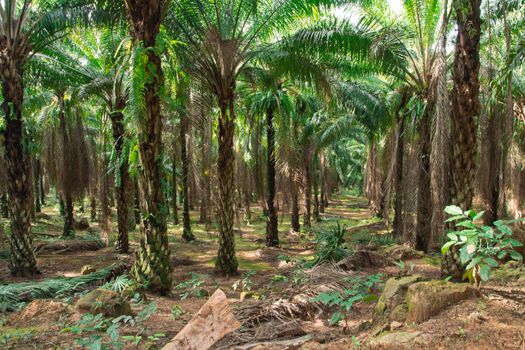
<point>13,296</point>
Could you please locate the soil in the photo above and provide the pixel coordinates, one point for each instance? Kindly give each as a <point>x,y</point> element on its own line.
<point>496,321</point>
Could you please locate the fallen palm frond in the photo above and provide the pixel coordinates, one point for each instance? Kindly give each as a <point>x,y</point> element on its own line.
<point>297,302</point>
<point>12,295</point>
<point>280,311</point>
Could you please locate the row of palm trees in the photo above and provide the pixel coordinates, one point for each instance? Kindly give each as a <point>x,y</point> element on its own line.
<point>336,78</point>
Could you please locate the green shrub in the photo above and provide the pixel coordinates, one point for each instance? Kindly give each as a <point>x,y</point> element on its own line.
<point>480,245</point>
<point>194,286</point>
<point>330,245</point>
<point>345,300</point>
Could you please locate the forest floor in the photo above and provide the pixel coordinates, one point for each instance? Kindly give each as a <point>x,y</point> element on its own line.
<point>490,322</point>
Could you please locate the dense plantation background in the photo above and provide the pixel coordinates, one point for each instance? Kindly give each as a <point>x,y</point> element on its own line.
<point>262,174</point>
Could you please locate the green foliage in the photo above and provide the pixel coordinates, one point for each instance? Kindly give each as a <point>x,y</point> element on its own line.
<point>194,286</point>
<point>245,283</point>
<point>279,278</point>
<point>480,245</point>
<point>330,245</point>
<point>343,301</point>
<point>404,270</point>
<point>119,283</point>
<point>97,332</point>
<point>14,294</point>
<point>176,312</point>
<point>382,240</point>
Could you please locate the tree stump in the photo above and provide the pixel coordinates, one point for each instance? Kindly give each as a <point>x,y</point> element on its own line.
<point>213,321</point>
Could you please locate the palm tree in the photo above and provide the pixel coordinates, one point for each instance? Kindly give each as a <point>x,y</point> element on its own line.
<point>465,110</point>
<point>153,264</point>
<point>103,74</point>
<point>221,37</point>
<point>25,29</point>
<point>270,99</point>
<point>183,98</point>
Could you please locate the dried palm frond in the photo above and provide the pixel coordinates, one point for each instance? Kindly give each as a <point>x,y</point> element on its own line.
<point>296,303</point>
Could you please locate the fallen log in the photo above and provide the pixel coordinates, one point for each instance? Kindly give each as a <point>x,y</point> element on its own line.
<point>213,321</point>
<point>69,246</point>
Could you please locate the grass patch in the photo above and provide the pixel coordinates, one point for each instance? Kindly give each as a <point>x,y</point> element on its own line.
<point>246,264</point>
<point>432,260</point>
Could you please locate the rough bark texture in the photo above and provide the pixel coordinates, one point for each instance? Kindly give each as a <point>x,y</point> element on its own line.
<point>424,205</point>
<point>174,184</point>
<point>398,179</point>
<point>272,234</point>
<point>206,172</point>
<point>123,178</point>
<point>152,265</point>
<point>69,230</point>
<point>93,205</point>
<point>440,153</point>
<point>4,206</point>
<point>490,163</point>
<point>316,192</point>
<point>465,110</point>
<point>187,235</point>
<point>307,189</point>
<point>226,259</point>
<point>296,226</point>
<point>36,185</point>
<point>67,170</point>
<point>22,261</point>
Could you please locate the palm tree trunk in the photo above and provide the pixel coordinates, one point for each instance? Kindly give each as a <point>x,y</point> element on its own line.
<point>307,183</point>
<point>123,179</point>
<point>206,168</point>
<point>136,201</point>
<point>424,204</point>
<point>67,181</point>
<point>42,189</point>
<point>22,261</point>
<point>152,265</point>
<point>174,184</point>
<point>226,259</point>
<point>4,206</point>
<point>316,201</point>
<point>93,206</point>
<point>68,216</point>
<point>440,149</point>
<point>272,233</point>
<point>296,226</point>
<point>465,110</point>
<point>187,235</point>
<point>36,185</point>
<point>398,186</point>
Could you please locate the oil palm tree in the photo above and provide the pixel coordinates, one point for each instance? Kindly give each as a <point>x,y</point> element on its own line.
<point>280,71</point>
<point>25,29</point>
<point>97,62</point>
<point>152,266</point>
<point>221,37</point>
<point>465,110</point>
